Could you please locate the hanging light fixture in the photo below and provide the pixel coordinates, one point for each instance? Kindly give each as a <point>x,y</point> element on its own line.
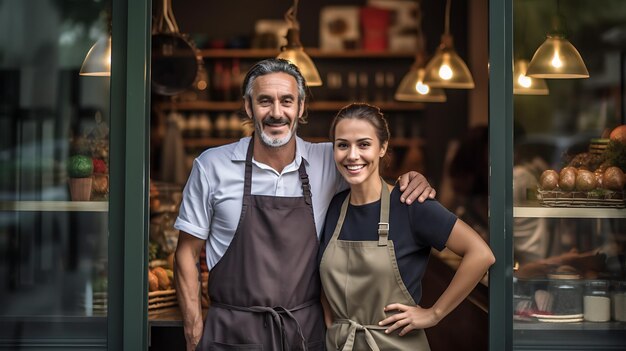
<point>294,52</point>
<point>412,87</point>
<point>446,69</point>
<point>525,85</point>
<point>97,63</point>
<point>557,58</point>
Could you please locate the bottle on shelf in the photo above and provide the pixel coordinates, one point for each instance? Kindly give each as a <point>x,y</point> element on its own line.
<point>390,83</point>
<point>335,86</point>
<point>380,93</point>
<point>234,125</point>
<point>363,87</point>
<point>352,86</point>
<point>226,84</point>
<point>193,125</point>
<point>221,126</point>
<point>205,125</point>
<point>236,80</point>
<point>217,91</point>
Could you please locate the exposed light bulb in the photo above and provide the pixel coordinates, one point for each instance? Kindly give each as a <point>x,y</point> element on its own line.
<point>202,85</point>
<point>422,88</point>
<point>556,60</point>
<point>445,72</point>
<point>524,81</point>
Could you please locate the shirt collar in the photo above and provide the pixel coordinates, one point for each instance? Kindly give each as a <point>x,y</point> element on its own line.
<point>239,153</point>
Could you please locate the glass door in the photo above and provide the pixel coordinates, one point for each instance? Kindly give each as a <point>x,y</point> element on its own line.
<point>55,159</point>
<point>569,215</point>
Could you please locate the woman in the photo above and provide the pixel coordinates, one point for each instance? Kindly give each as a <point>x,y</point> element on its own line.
<point>374,249</point>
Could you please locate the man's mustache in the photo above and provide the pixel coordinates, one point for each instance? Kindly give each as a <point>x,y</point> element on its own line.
<point>272,120</point>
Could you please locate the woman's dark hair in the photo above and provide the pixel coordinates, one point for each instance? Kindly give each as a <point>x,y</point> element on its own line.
<point>275,65</point>
<point>370,114</point>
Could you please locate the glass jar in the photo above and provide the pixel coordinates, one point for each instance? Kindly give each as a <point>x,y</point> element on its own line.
<point>597,301</point>
<point>567,298</point>
<point>619,301</point>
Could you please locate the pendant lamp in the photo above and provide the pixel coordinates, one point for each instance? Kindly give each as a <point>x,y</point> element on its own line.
<point>294,51</point>
<point>557,58</point>
<point>524,85</point>
<point>446,69</point>
<point>412,87</point>
<point>97,63</point>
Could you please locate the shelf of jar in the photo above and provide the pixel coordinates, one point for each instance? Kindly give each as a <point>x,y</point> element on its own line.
<point>524,325</point>
<point>212,142</point>
<point>333,106</point>
<point>55,206</point>
<point>533,210</point>
<point>312,52</point>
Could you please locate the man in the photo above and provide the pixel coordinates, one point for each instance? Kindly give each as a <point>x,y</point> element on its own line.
<point>259,205</point>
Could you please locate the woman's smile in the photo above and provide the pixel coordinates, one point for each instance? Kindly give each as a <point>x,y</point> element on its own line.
<point>357,152</point>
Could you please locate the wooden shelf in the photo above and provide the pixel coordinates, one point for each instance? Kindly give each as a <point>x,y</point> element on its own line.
<point>312,52</point>
<point>212,142</point>
<point>55,206</point>
<point>333,106</point>
<point>564,212</point>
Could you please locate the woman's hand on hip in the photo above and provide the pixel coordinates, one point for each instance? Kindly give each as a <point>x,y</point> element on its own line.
<point>408,318</point>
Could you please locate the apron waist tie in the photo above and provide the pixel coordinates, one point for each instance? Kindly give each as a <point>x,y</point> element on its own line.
<point>354,326</point>
<point>277,316</point>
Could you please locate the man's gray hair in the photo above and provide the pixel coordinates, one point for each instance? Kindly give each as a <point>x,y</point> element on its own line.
<point>273,65</point>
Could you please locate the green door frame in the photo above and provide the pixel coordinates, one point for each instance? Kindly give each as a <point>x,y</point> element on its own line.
<point>130,122</point>
<point>501,173</point>
<point>130,105</point>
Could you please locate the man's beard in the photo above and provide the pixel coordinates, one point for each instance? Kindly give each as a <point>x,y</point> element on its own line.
<point>270,140</point>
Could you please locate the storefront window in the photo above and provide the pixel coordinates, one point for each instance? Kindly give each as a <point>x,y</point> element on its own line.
<point>569,228</point>
<point>54,162</point>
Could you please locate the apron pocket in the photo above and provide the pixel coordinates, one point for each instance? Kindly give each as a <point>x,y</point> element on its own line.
<point>315,346</point>
<point>218,346</point>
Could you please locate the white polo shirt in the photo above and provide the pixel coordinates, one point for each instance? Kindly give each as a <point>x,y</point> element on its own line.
<point>213,196</point>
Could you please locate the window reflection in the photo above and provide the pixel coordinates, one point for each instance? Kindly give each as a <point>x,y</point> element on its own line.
<point>53,251</point>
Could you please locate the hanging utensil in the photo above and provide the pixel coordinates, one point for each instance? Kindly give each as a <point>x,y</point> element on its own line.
<point>175,58</point>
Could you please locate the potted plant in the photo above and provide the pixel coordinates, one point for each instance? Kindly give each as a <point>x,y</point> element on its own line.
<point>80,170</point>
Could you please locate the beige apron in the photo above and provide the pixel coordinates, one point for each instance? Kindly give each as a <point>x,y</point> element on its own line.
<point>359,279</point>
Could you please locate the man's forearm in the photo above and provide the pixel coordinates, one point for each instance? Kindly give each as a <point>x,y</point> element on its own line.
<point>188,291</point>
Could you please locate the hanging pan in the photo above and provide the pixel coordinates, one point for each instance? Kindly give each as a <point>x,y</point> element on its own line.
<point>175,59</point>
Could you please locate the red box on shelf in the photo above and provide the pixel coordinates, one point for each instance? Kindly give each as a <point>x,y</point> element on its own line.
<point>375,26</point>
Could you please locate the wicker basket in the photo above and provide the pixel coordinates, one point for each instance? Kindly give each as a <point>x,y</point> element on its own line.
<point>162,299</point>
<point>593,199</point>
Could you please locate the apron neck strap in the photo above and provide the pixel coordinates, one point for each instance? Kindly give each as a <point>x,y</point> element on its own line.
<point>383,223</point>
<point>304,180</point>
<point>247,186</point>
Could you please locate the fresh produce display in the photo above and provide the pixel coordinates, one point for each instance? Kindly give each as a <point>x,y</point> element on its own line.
<point>80,166</point>
<point>567,178</point>
<point>572,179</point>
<point>549,179</point>
<point>160,278</point>
<point>618,134</point>
<point>597,175</point>
<point>613,179</point>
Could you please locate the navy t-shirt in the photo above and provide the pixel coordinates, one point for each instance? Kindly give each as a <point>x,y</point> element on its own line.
<point>414,229</point>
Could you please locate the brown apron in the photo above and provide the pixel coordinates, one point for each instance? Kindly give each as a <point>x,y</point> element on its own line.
<point>359,279</point>
<point>265,290</point>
